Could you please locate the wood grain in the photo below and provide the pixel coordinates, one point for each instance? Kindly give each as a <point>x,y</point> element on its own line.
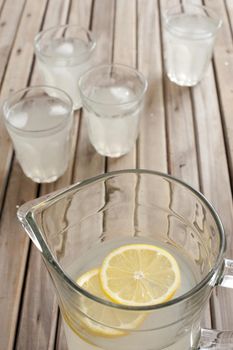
<point>44,325</point>
<point>152,150</point>
<point>87,162</point>
<point>214,170</point>
<point>19,189</point>
<point>223,64</point>
<point>15,63</point>
<point>180,127</point>
<point>124,52</point>
<point>9,20</point>
<point>13,255</point>
<point>181,133</point>
<point>185,131</point>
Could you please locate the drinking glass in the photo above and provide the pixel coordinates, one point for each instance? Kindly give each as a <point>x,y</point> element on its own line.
<point>112,97</point>
<point>39,121</point>
<point>64,53</point>
<point>76,227</point>
<point>190,32</point>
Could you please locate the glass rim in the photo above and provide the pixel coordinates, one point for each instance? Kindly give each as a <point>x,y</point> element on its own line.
<point>207,9</point>
<point>6,107</point>
<point>26,217</point>
<point>39,37</point>
<point>112,66</point>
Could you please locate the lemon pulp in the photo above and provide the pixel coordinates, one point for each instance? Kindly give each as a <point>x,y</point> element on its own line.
<point>111,321</point>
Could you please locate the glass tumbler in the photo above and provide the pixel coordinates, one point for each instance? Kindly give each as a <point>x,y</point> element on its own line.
<point>39,121</point>
<point>75,228</point>
<point>112,97</point>
<point>64,53</point>
<point>190,32</point>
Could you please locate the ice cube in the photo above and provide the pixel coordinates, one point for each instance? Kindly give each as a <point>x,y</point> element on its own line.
<point>65,48</point>
<point>122,94</point>
<point>56,110</point>
<point>18,120</point>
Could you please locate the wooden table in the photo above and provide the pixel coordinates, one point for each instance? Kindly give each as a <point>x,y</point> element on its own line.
<point>187,132</point>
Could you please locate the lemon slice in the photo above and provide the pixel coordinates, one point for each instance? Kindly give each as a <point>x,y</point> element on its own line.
<point>113,318</point>
<point>140,275</point>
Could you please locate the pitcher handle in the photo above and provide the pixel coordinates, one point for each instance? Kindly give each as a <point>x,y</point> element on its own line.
<point>211,338</point>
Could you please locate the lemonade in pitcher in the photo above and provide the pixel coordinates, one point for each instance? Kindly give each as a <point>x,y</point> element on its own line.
<point>134,256</point>
<point>132,272</point>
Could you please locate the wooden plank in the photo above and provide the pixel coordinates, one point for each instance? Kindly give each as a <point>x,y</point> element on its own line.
<point>182,152</point>
<point>9,21</point>
<point>18,70</point>
<point>211,140</point>
<point>61,343</point>
<point>215,181</point>
<point>124,52</point>
<point>2,3</point>
<point>38,285</point>
<point>152,152</point>
<point>13,255</point>
<point>88,163</point>
<point>152,140</point>
<point>211,147</point>
<point>223,62</point>
<point>211,126</point>
<point>56,14</point>
<point>125,35</point>
<point>182,143</point>
<point>80,13</point>
<point>39,302</point>
<point>21,56</point>
<point>37,328</point>
<point>223,66</point>
<point>44,329</point>
<point>20,189</point>
<point>181,136</point>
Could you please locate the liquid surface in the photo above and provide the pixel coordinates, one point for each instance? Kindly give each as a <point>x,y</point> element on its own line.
<point>42,137</point>
<point>173,336</point>
<point>66,48</point>
<point>189,46</point>
<point>39,114</point>
<point>113,122</point>
<point>192,26</point>
<point>189,275</point>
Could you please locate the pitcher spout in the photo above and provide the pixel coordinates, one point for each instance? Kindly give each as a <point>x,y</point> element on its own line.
<point>27,215</point>
<point>23,215</point>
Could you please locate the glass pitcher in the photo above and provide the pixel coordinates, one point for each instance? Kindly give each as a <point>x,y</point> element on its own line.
<point>76,227</point>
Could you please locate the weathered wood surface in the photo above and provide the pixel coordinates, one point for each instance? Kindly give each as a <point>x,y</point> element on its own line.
<point>187,132</point>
